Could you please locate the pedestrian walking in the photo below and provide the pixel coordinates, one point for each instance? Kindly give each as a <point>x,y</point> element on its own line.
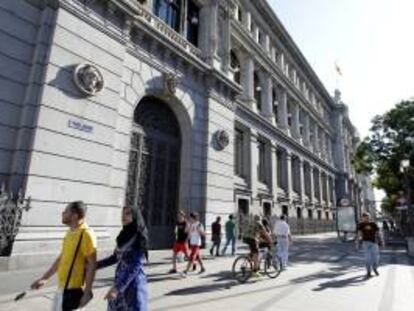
<point>216,237</point>
<point>181,239</point>
<point>230,228</point>
<point>369,234</point>
<point>196,231</point>
<point>75,265</point>
<point>129,290</point>
<point>283,238</point>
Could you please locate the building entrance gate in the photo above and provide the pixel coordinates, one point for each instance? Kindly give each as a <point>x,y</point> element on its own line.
<point>153,172</point>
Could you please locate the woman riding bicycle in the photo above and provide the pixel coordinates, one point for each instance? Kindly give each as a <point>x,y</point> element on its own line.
<point>254,233</point>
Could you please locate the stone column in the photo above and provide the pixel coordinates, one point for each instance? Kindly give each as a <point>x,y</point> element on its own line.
<point>267,100</point>
<point>302,179</point>
<point>254,161</point>
<point>316,139</point>
<point>323,144</point>
<point>283,110</point>
<point>320,186</point>
<point>274,170</point>
<point>255,33</point>
<point>306,129</point>
<point>296,121</point>
<point>209,35</point>
<point>267,43</point>
<point>289,176</point>
<point>333,191</point>
<point>226,43</point>
<point>328,191</point>
<point>312,185</point>
<point>247,77</point>
<point>247,20</point>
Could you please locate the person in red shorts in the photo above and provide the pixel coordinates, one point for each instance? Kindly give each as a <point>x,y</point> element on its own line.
<point>181,237</point>
<point>196,231</point>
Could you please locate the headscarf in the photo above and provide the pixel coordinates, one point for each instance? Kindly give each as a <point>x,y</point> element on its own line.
<point>136,228</point>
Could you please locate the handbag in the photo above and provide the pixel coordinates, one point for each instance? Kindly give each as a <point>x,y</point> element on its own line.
<point>72,296</point>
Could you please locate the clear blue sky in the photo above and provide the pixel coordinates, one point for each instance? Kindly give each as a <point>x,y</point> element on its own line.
<point>371,40</point>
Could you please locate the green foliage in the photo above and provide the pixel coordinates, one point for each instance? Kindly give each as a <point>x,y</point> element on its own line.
<point>391,140</point>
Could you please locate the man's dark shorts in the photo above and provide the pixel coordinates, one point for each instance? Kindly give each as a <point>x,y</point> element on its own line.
<point>253,246</point>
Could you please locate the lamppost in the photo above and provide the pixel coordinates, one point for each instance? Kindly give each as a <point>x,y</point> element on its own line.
<point>405,165</point>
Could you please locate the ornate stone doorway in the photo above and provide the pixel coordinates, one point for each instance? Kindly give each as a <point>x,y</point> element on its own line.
<point>154,166</point>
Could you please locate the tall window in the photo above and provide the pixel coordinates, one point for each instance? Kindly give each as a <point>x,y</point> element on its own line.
<point>235,65</point>
<point>193,21</point>
<point>257,91</point>
<point>279,156</point>
<point>238,152</point>
<point>262,161</point>
<point>275,105</point>
<point>289,108</point>
<point>169,11</point>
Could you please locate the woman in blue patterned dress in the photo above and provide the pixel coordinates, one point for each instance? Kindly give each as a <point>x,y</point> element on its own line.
<point>129,291</point>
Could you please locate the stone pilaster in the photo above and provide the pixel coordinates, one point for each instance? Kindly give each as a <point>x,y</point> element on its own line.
<point>296,121</point>
<point>320,186</point>
<point>302,179</point>
<point>254,161</point>
<point>274,170</point>
<point>225,38</point>
<point>306,129</point>
<point>316,139</point>
<point>247,77</point>
<point>289,176</point>
<point>267,100</point>
<point>312,185</point>
<point>209,35</point>
<point>247,20</point>
<point>283,110</point>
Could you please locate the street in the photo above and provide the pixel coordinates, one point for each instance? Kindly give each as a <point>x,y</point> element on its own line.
<point>324,274</point>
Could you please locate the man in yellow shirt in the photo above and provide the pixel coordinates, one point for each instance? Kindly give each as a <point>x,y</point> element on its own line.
<point>83,270</point>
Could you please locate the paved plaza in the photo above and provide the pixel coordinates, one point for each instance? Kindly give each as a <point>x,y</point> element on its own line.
<point>325,274</point>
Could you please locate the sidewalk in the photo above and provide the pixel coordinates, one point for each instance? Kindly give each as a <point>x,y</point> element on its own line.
<point>324,275</point>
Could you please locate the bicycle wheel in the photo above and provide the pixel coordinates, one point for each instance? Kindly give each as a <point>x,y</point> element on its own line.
<point>242,268</point>
<point>272,266</point>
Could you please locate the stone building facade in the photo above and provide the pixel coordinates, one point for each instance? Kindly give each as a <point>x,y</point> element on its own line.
<point>203,105</point>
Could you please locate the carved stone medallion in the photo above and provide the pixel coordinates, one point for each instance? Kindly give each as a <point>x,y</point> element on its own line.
<point>221,139</point>
<point>88,79</point>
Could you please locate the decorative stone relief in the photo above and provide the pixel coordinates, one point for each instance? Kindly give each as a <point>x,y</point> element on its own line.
<point>11,211</point>
<point>221,139</point>
<point>170,83</point>
<point>88,79</point>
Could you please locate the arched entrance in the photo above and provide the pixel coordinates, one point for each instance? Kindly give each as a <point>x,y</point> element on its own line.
<point>154,166</point>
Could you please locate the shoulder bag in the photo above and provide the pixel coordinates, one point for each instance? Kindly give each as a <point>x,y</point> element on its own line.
<point>72,296</point>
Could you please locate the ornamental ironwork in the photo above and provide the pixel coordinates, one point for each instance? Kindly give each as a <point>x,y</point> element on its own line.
<point>221,139</point>
<point>88,79</point>
<point>11,211</point>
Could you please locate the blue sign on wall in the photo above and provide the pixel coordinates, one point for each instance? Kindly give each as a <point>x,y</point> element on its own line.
<point>80,126</point>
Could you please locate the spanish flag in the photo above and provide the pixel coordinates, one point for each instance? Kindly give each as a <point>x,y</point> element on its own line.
<point>338,69</point>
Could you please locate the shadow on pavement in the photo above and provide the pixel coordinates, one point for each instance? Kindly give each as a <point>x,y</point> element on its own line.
<point>353,281</point>
<point>203,289</point>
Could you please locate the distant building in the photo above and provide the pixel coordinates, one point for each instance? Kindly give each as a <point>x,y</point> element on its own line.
<point>201,105</point>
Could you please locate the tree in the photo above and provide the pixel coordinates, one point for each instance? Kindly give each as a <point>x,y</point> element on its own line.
<point>391,140</point>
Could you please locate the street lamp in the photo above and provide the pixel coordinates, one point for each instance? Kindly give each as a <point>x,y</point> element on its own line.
<point>404,166</point>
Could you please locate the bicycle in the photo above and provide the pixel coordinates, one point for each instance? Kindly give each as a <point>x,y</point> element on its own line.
<point>269,262</point>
